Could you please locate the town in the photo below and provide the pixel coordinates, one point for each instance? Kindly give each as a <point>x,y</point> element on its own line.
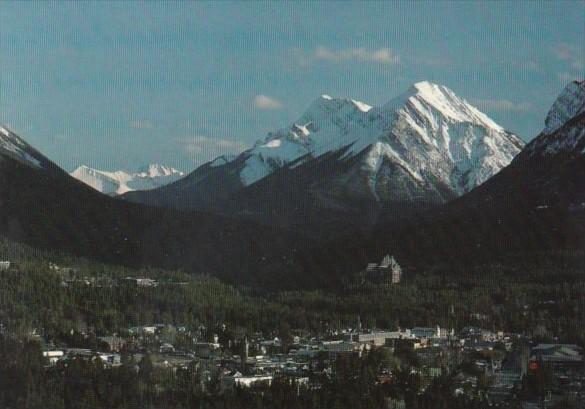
<point>494,367</point>
<point>471,362</point>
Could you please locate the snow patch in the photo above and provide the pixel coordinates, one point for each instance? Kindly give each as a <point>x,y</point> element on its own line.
<point>361,106</point>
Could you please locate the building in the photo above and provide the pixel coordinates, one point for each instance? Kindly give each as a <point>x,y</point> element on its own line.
<point>114,342</point>
<point>206,349</point>
<point>334,349</point>
<point>387,272</point>
<point>429,332</point>
<point>561,358</point>
<point>379,338</point>
<point>110,360</point>
<point>139,282</point>
<point>53,356</point>
<point>166,348</point>
<point>236,379</point>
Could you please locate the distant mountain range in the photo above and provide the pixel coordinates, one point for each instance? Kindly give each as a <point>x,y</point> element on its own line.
<point>119,182</point>
<point>425,147</point>
<point>534,207</point>
<point>42,205</point>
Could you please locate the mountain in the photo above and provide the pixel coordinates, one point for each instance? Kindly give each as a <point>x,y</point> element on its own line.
<point>119,182</point>
<point>43,206</point>
<point>425,147</point>
<point>13,147</point>
<point>533,211</point>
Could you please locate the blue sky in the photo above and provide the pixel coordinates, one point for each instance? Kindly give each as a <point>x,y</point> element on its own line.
<point>121,84</point>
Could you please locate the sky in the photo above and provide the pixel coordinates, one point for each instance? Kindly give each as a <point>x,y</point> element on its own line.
<point>117,85</point>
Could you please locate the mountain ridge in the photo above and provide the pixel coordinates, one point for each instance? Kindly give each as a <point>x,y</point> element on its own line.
<point>119,182</point>
<point>533,208</point>
<point>427,146</point>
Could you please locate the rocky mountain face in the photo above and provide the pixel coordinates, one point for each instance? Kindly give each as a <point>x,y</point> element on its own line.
<point>119,182</point>
<point>561,133</point>
<point>569,104</point>
<point>427,147</point>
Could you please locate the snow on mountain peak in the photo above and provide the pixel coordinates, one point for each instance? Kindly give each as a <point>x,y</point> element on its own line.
<point>119,182</point>
<point>328,105</point>
<point>426,127</point>
<point>15,147</point>
<point>569,103</point>
<point>157,170</point>
<point>429,99</point>
<point>361,106</point>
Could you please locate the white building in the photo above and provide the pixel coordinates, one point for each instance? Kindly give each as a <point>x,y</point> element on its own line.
<point>379,338</point>
<point>243,381</point>
<point>429,332</point>
<point>53,356</point>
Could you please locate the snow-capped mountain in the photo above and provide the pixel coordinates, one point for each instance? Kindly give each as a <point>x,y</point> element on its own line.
<point>119,182</point>
<point>569,105</point>
<point>533,210</point>
<point>13,146</point>
<point>427,146</point>
<point>427,131</point>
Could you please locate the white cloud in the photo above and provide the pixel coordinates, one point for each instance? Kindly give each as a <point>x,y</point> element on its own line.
<point>141,124</point>
<point>380,55</point>
<point>208,148</point>
<point>501,105</point>
<point>267,103</point>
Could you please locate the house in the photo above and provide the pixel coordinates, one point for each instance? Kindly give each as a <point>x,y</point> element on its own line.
<point>5,265</point>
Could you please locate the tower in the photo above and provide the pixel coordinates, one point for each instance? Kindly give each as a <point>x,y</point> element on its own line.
<point>245,353</point>
<point>396,271</point>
